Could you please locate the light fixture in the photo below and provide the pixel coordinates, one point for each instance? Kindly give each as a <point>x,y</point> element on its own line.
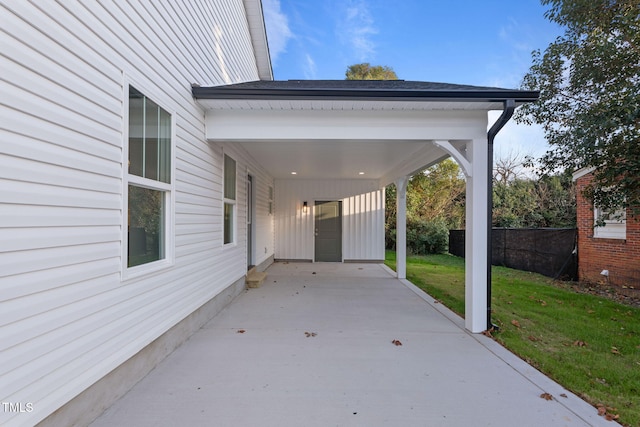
<point>304,206</point>
<point>360,173</point>
<point>294,173</point>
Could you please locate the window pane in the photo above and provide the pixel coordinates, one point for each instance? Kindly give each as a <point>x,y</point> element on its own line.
<point>146,226</point>
<point>229,178</point>
<point>136,132</point>
<point>149,138</point>
<point>228,223</point>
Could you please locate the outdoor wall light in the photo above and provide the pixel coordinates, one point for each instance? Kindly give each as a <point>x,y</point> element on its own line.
<point>304,206</point>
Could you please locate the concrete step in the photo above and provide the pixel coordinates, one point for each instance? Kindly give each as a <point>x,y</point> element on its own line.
<point>255,278</point>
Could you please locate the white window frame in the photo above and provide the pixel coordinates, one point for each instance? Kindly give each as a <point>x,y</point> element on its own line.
<point>232,202</point>
<point>168,189</point>
<point>613,228</point>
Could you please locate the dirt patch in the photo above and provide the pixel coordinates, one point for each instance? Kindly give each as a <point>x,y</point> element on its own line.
<point>623,295</point>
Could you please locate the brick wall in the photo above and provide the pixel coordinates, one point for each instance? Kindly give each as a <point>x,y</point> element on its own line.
<point>620,257</point>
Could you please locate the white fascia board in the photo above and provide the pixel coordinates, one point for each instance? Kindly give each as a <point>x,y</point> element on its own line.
<point>258,31</point>
<point>251,125</point>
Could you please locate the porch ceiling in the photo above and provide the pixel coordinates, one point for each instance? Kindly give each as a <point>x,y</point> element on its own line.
<point>339,159</point>
<point>346,129</point>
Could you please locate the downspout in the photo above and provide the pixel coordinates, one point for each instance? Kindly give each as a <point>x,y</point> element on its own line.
<point>507,112</point>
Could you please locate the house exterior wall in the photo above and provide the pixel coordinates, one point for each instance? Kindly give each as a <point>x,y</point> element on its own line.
<point>621,257</point>
<point>69,314</point>
<point>362,218</point>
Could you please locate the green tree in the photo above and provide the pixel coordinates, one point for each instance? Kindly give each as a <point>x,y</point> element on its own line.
<point>521,201</point>
<point>366,71</point>
<point>514,204</point>
<point>556,198</point>
<point>535,203</point>
<point>435,204</point>
<point>438,193</point>
<point>589,107</point>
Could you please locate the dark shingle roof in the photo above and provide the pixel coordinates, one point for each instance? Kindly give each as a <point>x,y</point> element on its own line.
<point>360,89</point>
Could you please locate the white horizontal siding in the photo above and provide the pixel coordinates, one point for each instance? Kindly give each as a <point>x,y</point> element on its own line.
<point>264,240</point>
<point>66,318</point>
<point>294,229</point>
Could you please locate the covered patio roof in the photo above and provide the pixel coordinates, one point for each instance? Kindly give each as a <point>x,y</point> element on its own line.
<point>370,129</point>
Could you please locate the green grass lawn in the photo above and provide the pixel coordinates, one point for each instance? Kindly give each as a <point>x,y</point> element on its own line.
<point>589,344</point>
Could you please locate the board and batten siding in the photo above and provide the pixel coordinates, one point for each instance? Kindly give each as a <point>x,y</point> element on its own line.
<point>362,218</point>
<point>67,318</point>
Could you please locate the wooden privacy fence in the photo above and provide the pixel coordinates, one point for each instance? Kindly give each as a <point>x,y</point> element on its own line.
<point>548,251</point>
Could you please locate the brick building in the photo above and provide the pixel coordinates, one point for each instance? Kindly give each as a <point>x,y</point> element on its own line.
<point>610,252</point>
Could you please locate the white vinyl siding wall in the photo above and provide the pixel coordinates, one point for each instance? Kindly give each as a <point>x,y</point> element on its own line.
<point>66,316</point>
<point>363,226</point>
<point>362,217</point>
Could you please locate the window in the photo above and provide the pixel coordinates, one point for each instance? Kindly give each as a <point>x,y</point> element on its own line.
<point>229,199</point>
<point>270,200</point>
<point>148,180</point>
<point>615,224</point>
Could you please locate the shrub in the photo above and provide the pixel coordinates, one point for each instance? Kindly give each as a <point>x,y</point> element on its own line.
<point>427,237</point>
<point>423,237</point>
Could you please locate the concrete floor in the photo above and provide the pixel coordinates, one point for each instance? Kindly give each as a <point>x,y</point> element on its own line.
<point>317,351</point>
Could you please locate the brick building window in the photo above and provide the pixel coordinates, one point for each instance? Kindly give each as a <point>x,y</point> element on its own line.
<point>614,224</point>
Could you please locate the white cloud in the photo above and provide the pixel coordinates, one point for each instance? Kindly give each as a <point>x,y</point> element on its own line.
<point>278,31</point>
<point>356,29</point>
<point>309,68</point>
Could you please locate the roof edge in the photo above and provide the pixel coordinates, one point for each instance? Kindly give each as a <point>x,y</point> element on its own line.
<point>254,13</point>
<point>226,92</point>
<point>582,172</point>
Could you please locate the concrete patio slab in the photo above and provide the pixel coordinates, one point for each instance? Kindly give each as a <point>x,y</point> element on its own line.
<point>313,347</point>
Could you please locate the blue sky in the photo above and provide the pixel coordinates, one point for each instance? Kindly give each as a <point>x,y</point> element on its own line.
<point>476,42</point>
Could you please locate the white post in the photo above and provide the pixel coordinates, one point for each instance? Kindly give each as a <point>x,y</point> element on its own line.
<point>476,238</point>
<point>401,227</point>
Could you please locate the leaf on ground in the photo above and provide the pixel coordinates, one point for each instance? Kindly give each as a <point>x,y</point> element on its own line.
<point>546,396</point>
<point>396,342</point>
<point>579,344</point>
<point>601,410</point>
<point>487,333</point>
<point>310,334</point>
<point>241,331</point>
<point>611,417</point>
<point>435,301</point>
<point>515,323</point>
<point>532,338</point>
<point>614,350</point>
<point>564,395</point>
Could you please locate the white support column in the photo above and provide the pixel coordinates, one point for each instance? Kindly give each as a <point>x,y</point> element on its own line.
<point>476,238</point>
<point>401,227</point>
